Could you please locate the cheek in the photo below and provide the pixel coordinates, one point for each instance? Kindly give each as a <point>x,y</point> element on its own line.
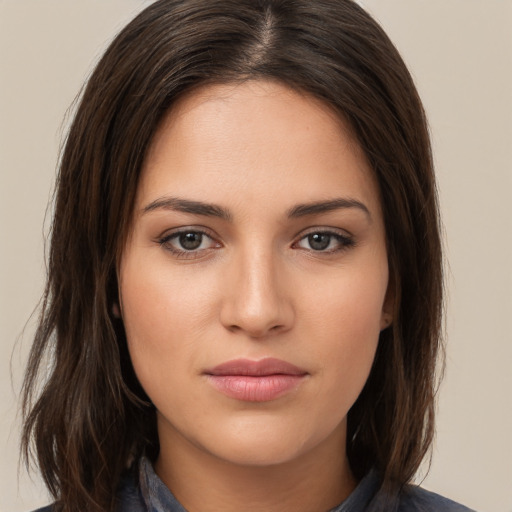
<point>349,304</point>
<point>345,321</point>
<point>165,315</point>
<point>158,300</point>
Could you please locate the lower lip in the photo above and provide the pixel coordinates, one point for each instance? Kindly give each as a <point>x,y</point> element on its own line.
<point>261,388</point>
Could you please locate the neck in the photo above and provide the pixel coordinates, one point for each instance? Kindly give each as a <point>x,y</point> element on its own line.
<point>317,480</point>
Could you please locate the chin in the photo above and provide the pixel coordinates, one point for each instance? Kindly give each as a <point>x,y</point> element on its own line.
<point>263,444</point>
<point>258,455</point>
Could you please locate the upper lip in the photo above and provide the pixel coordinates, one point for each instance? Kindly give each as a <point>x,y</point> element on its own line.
<point>247,367</point>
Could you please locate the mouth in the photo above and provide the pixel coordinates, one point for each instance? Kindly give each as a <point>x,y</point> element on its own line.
<point>255,381</point>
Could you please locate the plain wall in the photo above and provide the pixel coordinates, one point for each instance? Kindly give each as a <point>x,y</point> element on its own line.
<point>460,53</point>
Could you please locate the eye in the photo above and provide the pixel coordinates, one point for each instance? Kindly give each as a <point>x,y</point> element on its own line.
<point>190,241</point>
<point>187,242</point>
<point>325,241</point>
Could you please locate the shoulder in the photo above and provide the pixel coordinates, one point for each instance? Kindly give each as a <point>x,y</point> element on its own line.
<point>416,499</point>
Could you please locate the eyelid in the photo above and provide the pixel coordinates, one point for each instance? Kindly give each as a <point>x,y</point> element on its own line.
<point>168,233</point>
<point>164,239</point>
<point>327,230</point>
<point>346,239</point>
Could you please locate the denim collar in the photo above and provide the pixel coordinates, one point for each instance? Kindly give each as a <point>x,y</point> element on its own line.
<point>158,498</point>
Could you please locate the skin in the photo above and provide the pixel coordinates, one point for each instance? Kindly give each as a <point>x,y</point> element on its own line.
<point>255,287</point>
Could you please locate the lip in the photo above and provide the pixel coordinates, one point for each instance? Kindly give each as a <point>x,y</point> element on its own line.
<point>255,381</point>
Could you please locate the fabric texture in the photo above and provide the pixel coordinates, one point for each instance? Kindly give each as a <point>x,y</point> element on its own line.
<point>143,491</point>
<point>150,494</point>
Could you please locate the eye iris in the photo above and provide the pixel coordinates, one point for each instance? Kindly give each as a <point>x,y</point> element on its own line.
<point>319,241</point>
<point>190,241</point>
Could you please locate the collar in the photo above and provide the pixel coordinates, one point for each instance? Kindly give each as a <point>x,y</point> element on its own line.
<point>158,498</point>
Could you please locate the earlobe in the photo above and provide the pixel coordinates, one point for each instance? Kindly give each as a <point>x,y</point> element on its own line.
<point>386,320</point>
<point>116,311</point>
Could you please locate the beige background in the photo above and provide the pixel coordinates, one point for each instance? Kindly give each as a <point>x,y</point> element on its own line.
<point>460,52</point>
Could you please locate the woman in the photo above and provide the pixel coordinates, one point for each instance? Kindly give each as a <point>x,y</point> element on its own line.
<point>244,296</point>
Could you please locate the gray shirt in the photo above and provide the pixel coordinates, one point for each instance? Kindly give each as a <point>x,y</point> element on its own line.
<point>145,492</point>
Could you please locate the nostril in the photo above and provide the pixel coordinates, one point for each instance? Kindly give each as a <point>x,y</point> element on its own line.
<point>256,332</point>
<point>256,308</point>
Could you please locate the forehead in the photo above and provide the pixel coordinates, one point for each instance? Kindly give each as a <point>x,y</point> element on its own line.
<point>255,139</point>
<point>257,108</point>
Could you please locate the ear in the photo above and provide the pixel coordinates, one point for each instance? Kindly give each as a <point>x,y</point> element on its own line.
<point>116,310</point>
<point>386,318</point>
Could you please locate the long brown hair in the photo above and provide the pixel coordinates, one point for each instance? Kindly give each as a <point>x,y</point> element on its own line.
<point>91,417</point>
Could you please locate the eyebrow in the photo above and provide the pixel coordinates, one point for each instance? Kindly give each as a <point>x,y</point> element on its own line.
<point>302,210</point>
<point>213,210</point>
<point>188,206</point>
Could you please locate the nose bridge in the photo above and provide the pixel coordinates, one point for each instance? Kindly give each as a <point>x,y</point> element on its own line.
<point>260,280</point>
<point>256,302</point>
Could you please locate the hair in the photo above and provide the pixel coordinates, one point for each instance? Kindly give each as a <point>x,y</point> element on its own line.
<point>90,417</point>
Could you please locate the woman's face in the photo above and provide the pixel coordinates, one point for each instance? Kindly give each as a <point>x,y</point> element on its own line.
<point>253,284</point>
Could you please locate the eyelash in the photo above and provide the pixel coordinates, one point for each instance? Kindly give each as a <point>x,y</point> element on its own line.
<point>165,242</point>
<point>344,242</point>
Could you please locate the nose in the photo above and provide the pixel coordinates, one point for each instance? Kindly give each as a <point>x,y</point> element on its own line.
<point>257,300</point>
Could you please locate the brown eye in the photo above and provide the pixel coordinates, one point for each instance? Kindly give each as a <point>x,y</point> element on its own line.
<point>190,241</point>
<point>325,242</point>
<point>187,242</point>
<point>319,241</point>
